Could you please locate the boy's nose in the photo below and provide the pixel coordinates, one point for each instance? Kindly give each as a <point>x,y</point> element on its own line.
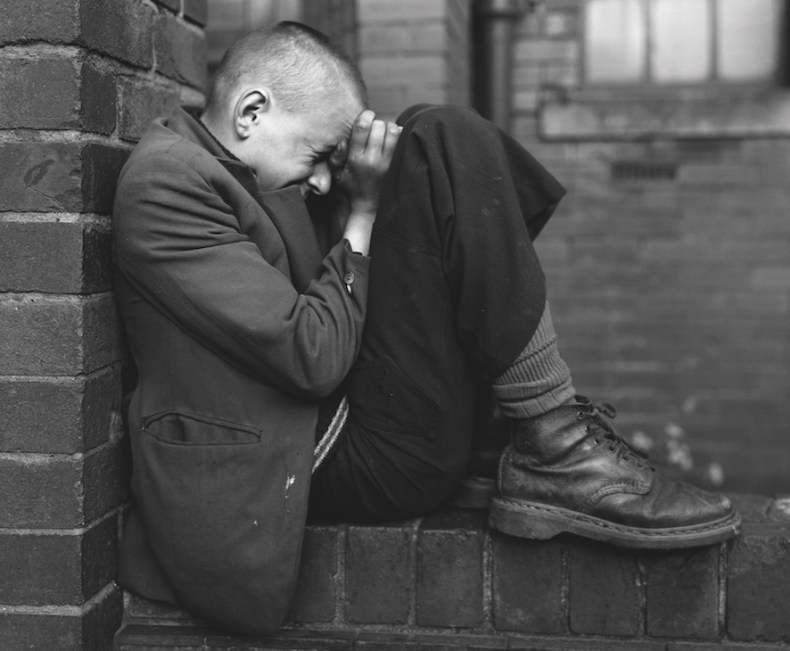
<point>320,180</point>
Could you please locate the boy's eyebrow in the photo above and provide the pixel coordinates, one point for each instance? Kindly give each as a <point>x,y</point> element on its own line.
<point>324,151</point>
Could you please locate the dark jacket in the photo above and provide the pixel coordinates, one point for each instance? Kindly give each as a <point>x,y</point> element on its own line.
<point>237,326</point>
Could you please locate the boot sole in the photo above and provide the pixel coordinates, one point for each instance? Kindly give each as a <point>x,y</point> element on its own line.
<point>540,522</point>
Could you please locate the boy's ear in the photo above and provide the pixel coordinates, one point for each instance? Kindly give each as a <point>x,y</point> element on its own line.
<point>251,106</point>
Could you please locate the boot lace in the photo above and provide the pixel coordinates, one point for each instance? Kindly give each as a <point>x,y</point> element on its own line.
<point>596,415</point>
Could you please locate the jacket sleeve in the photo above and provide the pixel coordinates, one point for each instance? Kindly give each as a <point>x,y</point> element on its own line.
<point>180,244</point>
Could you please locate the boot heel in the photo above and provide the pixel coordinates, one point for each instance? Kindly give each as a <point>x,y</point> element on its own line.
<point>522,521</point>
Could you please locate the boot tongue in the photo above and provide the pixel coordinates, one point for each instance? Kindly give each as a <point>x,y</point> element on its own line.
<point>552,435</point>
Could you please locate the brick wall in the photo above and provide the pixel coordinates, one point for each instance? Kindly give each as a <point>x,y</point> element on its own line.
<point>669,260</point>
<point>79,80</point>
<point>228,19</point>
<point>414,51</point>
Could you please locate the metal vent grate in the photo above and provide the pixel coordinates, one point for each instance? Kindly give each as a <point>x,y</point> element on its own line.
<point>644,170</point>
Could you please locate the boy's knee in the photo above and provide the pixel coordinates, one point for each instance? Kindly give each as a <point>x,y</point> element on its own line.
<point>447,115</point>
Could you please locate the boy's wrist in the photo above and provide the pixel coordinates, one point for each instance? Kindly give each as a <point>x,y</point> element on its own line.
<point>358,230</point>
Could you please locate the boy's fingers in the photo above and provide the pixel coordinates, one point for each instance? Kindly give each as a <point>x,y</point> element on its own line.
<point>337,159</point>
<point>360,131</point>
<point>391,139</point>
<point>378,131</point>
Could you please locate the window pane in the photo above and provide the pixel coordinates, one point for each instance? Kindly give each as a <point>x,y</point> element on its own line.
<point>615,40</point>
<point>681,35</point>
<point>748,38</point>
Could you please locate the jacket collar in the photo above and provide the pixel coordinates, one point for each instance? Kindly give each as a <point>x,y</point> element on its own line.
<point>285,207</point>
<point>186,123</point>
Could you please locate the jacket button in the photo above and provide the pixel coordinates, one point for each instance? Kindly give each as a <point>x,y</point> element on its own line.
<point>349,277</point>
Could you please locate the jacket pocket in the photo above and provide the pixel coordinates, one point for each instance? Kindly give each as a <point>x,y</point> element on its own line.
<point>186,429</point>
<point>384,398</point>
<point>224,508</point>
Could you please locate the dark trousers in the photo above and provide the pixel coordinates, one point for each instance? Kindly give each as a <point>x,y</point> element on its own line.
<point>456,292</point>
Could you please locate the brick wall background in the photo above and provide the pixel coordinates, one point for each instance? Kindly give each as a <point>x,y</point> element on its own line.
<point>669,260</point>
<point>79,79</point>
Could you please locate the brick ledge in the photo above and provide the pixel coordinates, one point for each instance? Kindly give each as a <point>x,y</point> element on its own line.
<point>448,582</point>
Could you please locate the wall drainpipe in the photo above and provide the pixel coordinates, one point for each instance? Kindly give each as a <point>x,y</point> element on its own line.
<point>495,22</point>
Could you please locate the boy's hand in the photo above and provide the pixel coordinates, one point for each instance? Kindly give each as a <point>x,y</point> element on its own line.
<point>367,154</point>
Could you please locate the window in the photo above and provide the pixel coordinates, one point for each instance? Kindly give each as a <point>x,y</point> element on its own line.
<point>682,41</point>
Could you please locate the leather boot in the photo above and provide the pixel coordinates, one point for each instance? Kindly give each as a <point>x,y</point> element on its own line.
<point>569,471</point>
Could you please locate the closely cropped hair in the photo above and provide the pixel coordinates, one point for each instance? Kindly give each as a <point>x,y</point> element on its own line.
<point>299,64</point>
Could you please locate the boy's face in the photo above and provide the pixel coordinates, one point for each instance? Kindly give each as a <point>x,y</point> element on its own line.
<point>289,148</point>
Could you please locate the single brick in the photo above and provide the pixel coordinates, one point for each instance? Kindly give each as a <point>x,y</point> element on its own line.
<point>98,100</point>
<point>106,475</point>
<point>774,277</point>
<point>180,51</point>
<point>40,569</point>
<point>61,492</point>
<point>120,29</point>
<point>151,637</point>
<point>99,554</point>
<point>758,587</point>
<point>57,93</point>
<point>527,586</point>
<point>54,257</point>
<point>43,569</point>
<point>396,39</point>
<point>58,415</point>
<point>40,176</point>
<point>558,24</point>
<point>140,608</point>
<point>721,646</point>
<point>45,335</point>
<point>604,590</point>
<point>384,38</point>
<point>411,641</point>
<point>39,20</point>
<point>683,592</point>
<point>417,11</point>
<point>450,570</point>
<point>140,102</point>
<point>58,177</point>
<point>196,11</point>
<point>40,492</point>
<point>101,406</point>
<point>101,165</point>
<point>389,71</point>
<point>40,335</point>
<point>92,628</point>
<point>96,259</point>
<point>533,643</point>
<point>41,415</point>
<point>316,594</point>
<point>45,92</point>
<point>379,574</point>
<point>101,338</point>
<point>546,50</point>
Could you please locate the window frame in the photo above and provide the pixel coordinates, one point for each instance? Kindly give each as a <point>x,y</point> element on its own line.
<point>713,80</point>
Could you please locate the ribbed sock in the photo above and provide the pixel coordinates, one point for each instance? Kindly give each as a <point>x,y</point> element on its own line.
<point>538,380</point>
